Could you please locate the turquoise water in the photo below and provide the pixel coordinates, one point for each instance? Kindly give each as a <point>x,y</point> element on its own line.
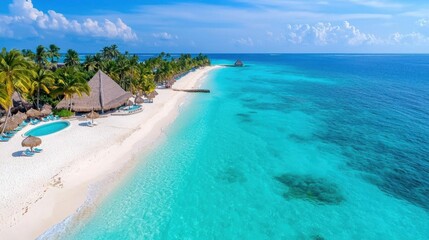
<point>47,129</point>
<point>288,147</point>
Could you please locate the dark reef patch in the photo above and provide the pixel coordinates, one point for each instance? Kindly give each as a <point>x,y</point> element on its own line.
<point>244,117</point>
<point>316,190</point>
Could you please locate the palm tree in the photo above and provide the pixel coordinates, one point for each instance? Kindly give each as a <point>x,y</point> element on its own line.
<point>14,76</point>
<point>27,53</point>
<point>110,53</point>
<point>41,56</point>
<point>71,58</point>
<point>41,80</point>
<point>69,82</point>
<point>54,53</point>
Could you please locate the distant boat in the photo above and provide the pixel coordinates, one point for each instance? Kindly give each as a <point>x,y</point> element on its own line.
<point>238,63</point>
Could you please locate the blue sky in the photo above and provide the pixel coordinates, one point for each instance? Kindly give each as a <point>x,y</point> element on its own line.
<point>236,26</point>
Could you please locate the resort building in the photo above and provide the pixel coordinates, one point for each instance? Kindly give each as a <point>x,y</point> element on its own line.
<point>105,94</point>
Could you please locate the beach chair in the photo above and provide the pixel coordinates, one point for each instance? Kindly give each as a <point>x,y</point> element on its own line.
<point>8,134</point>
<point>45,119</point>
<point>37,150</point>
<point>4,139</point>
<point>56,117</point>
<point>28,153</point>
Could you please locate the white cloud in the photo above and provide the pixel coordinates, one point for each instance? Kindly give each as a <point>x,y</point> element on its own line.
<point>164,36</point>
<point>23,12</point>
<point>413,38</point>
<point>244,41</point>
<point>327,33</point>
<point>423,22</point>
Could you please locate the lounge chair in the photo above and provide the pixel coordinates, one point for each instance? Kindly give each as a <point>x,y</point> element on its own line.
<point>4,139</point>
<point>28,153</point>
<point>56,117</point>
<point>37,150</point>
<point>92,124</point>
<point>8,134</point>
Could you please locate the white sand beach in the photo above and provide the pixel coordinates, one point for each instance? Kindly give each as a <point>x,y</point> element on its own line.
<point>40,191</point>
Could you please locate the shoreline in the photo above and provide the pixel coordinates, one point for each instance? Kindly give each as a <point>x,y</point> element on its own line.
<point>107,152</point>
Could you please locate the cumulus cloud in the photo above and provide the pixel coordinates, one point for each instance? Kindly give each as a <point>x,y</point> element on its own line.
<point>164,36</point>
<point>327,33</point>
<point>413,38</point>
<point>23,13</point>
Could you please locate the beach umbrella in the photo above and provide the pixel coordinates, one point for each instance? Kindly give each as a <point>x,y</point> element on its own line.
<point>3,119</point>
<point>31,142</point>
<point>21,115</point>
<point>46,111</point>
<point>92,115</point>
<point>10,125</point>
<point>16,119</point>
<point>130,103</point>
<point>139,100</point>
<point>47,106</point>
<point>33,113</point>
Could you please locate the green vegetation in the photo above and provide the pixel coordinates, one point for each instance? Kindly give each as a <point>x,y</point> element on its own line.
<point>39,79</point>
<point>63,113</point>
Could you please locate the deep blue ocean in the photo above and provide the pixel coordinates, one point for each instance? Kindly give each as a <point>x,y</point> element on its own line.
<point>287,147</point>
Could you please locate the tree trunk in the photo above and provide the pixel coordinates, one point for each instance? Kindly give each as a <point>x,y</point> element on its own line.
<point>7,117</point>
<point>38,96</point>
<point>70,105</point>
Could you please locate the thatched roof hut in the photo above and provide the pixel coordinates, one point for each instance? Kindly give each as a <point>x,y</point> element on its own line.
<point>238,63</point>
<point>105,94</point>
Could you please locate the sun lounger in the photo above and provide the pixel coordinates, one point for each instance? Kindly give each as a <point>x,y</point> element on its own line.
<point>28,153</point>
<point>4,139</point>
<point>37,150</point>
<point>8,134</point>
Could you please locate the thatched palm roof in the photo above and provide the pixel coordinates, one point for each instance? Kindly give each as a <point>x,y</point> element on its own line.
<point>93,115</point>
<point>139,100</point>
<point>10,125</point>
<point>46,111</point>
<point>33,113</point>
<point>105,94</point>
<point>47,106</point>
<point>31,142</point>
<point>152,95</point>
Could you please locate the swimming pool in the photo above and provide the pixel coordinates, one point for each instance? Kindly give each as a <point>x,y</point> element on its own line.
<point>130,108</point>
<point>47,129</point>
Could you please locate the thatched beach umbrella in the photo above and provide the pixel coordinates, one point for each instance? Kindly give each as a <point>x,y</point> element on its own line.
<point>31,142</point>
<point>33,113</point>
<point>3,119</point>
<point>151,95</point>
<point>139,100</point>
<point>16,119</point>
<point>47,106</point>
<point>92,115</point>
<point>21,115</point>
<point>10,125</point>
<point>46,111</point>
<point>130,103</point>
